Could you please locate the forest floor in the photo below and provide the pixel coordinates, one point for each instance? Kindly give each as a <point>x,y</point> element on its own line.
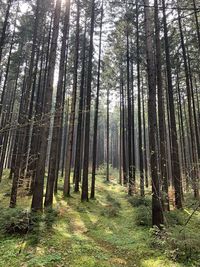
<point>111,231</point>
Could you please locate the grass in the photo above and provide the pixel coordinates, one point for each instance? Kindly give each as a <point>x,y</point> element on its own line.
<point>101,233</point>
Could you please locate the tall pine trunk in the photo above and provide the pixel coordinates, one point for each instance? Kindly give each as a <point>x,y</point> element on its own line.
<point>94,152</point>
<point>157,213</point>
<point>70,140</point>
<point>57,126</point>
<point>84,195</point>
<point>176,173</point>
<point>37,200</point>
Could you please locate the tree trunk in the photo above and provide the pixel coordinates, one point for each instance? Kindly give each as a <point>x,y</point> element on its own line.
<point>66,189</point>
<point>5,25</point>
<point>139,107</point>
<point>94,154</point>
<point>84,195</point>
<point>37,200</point>
<point>174,152</point>
<point>54,158</point>
<point>157,213</point>
<point>161,112</point>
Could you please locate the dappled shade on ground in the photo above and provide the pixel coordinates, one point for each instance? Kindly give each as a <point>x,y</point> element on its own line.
<point>106,232</point>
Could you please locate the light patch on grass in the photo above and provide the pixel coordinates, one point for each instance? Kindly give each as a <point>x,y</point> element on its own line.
<point>159,263</point>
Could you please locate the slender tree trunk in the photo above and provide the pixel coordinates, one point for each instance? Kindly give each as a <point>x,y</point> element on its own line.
<point>145,141</point>
<point>133,123</point>
<point>161,111</point>
<point>191,121</point>
<point>129,133</point>
<point>5,25</point>
<point>65,137</point>
<point>37,200</point>
<point>70,140</point>
<point>157,213</point>
<point>54,158</point>
<point>84,195</point>
<point>197,22</point>
<point>94,153</point>
<point>182,132</point>
<point>174,152</point>
<point>139,106</point>
<point>125,179</point>
<point>108,136</point>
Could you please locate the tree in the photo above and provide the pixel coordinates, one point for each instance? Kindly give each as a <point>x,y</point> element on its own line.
<point>157,213</point>
<point>55,150</point>
<point>5,25</point>
<point>161,111</point>
<point>94,155</point>
<point>84,195</point>
<point>37,200</point>
<point>174,152</point>
<point>66,190</point>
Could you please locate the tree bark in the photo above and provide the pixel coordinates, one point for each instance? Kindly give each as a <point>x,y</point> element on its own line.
<point>54,158</point>
<point>157,213</point>
<point>37,200</point>
<point>84,195</point>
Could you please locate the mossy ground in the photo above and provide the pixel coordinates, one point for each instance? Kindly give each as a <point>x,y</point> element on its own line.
<point>100,233</point>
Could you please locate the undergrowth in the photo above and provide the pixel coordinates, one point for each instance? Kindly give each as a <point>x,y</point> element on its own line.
<point>112,231</point>
<point>179,244</point>
<point>21,221</point>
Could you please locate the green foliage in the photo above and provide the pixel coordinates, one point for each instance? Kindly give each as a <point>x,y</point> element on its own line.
<point>21,221</point>
<point>137,201</point>
<point>101,170</point>
<point>178,243</point>
<point>16,221</point>
<point>50,217</point>
<point>189,201</point>
<point>113,201</point>
<point>75,234</point>
<point>158,237</point>
<point>176,217</point>
<point>45,260</point>
<point>143,216</point>
<point>113,208</point>
<point>110,211</point>
<point>113,173</point>
<point>183,244</point>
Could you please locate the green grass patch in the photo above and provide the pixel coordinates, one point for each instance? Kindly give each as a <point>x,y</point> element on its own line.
<point>111,231</point>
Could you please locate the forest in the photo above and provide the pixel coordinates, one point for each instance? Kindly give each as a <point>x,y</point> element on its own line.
<point>100,133</point>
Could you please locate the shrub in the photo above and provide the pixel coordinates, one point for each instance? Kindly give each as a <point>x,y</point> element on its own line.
<point>176,217</point>
<point>178,243</point>
<point>189,201</point>
<point>20,221</point>
<point>183,244</point>
<point>137,201</point>
<point>113,208</point>
<point>16,221</point>
<point>113,172</point>
<point>143,216</point>
<point>45,260</point>
<point>158,237</point>
<point>50,216</point>
<point>113,201</point>
<point>101,169</point>
<point>110,211</point>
